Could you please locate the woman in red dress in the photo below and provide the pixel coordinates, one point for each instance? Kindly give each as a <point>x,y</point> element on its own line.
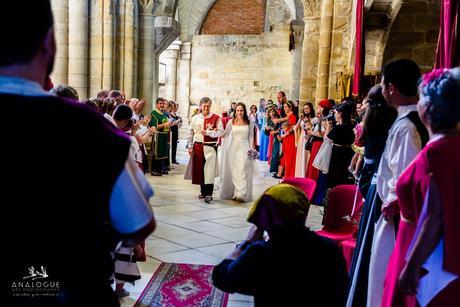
<point>288,143</point>
<point>425,264</point>
<point>317,133</point>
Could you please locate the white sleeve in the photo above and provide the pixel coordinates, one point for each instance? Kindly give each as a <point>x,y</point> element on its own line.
<point>129,203</point>
<point>401,154</point>
<point>228,129</point>
<point>190,133</point>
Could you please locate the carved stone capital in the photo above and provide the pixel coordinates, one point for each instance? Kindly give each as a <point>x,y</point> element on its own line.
<point>148,7</point>
<point>312,8</point>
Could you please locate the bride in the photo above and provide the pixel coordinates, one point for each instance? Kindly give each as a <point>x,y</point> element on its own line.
<point>236,167</point>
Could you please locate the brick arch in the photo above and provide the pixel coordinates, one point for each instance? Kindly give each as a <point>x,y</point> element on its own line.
<point>193,12</point>
<point>244,17</point>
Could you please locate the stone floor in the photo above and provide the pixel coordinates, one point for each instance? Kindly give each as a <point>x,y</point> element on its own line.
<point>191,231</point>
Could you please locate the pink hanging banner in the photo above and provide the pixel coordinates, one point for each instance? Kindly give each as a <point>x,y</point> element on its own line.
<point>448,51</point>
<point>359,52</point>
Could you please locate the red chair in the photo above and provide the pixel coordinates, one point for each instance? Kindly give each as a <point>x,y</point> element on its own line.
<point>340,220</point>
<point>348,249</point>
<point>305,184</point>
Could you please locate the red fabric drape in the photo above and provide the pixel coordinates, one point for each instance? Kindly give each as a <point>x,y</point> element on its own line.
<point>359,52</point>
<point>448,51</point>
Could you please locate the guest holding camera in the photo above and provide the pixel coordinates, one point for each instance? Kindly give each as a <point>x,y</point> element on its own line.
<point>342,135</point>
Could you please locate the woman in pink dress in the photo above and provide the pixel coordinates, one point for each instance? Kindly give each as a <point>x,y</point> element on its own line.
<point>425,264</point>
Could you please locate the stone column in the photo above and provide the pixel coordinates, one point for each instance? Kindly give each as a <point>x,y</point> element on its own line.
<point>310,51</point>
<point>108,34</point>
<point>78,46</point>
<point>61,32</point>
<point>296,62</point>
<point>146,53</point>
<point>169,57</point>
<point>96,47</point>
<point>130,48</point>
<point>183,79</point>
<point>324,57</point>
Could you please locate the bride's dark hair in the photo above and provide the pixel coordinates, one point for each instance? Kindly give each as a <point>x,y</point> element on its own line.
<point>245,113</point>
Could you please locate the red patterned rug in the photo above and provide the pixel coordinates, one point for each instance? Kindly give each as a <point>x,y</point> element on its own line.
<point>184,285</point>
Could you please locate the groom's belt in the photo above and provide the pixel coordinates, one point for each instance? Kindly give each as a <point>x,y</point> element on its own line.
<point>210,144</point>
<point>207,143</point>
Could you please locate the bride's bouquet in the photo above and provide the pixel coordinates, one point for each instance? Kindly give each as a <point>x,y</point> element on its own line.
<point>253,154</point>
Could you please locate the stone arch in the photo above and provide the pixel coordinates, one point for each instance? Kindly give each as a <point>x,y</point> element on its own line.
<point>417,24</point>
<point>390,23</point>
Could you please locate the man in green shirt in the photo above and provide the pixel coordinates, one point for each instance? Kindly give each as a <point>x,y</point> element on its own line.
<point>160,150</point>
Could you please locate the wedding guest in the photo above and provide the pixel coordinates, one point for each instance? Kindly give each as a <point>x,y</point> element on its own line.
<point>305,123</point>
<point>174,129</point>
<point>282,212</point>
<point>126,268</point>
<point>288,143</point>
<point>377,121</point>
<point>231,111</point>
<point>281,97</point>
<point>428,201</point>
<point>236,168</point>
<point>67,224</point>
<point>317,134</point>
<point>263,138</point>
<point>254,118</point>
<point>405,139</point>
<point>160,140</point>
<point>356,164</point>
<point>65,91</point>
<point>103,94</point>
<point>117,97</point>
<point>91,103</point>
<point>342,136</point>
<point>274,130</point>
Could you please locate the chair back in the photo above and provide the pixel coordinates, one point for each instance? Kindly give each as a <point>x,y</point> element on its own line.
<point>305,184</point>
<point>339,215</point>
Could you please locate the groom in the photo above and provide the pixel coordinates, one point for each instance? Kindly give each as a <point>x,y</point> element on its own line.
<point>203,134</point>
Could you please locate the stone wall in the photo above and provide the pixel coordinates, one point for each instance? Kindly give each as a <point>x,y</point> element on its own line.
<point>414,34</point>
<point>235,17</point>
<point>240,67</point>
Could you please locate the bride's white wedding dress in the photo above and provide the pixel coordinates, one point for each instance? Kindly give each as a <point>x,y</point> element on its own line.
<point>236,169</point>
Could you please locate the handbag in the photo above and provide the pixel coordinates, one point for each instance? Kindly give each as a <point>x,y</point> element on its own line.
<point>309,143</point>
<point>323,157</point>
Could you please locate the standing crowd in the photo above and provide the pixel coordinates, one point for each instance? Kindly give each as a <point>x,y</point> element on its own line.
<point>400,146</point>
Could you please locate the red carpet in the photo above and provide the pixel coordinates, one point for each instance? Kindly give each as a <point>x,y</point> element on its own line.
<point>182,285</point>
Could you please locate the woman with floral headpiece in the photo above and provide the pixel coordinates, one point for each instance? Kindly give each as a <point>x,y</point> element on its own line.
<point>424,267</point>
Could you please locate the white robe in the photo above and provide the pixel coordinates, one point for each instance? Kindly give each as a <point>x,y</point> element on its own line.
<point>402,145</point>
<point>236,169</point>
<point>301,155</point>
<point>211,165</point>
